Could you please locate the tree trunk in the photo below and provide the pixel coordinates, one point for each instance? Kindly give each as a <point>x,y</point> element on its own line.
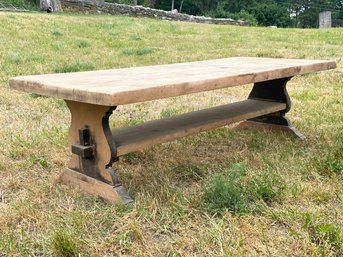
<point>50,5</point>
<point>181,6</point>
<point>134,2</point>
<point>152,3</point>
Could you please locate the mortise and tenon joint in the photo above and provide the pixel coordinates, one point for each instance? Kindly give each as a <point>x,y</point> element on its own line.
<point>94,152</point>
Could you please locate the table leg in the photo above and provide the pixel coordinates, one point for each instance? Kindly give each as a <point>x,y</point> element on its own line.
<point>91,142</point>
<point>275,91</point>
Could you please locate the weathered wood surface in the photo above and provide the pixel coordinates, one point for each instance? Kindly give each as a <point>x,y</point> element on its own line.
<point>89,185</point>
<point>136,138</point>
<point>93,116</point>
<point>132,85</point>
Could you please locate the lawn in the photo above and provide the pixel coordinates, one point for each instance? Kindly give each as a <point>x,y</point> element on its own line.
<point>222,193</point>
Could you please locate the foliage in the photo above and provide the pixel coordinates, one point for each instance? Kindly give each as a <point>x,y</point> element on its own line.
<point>150,3</point>
<point>307,11</point>
<point>138,51</point>
<point>271,15</point>
<point>241,15</point>
<point>225,192</point>
<point>73,67</point>
<point>324,234</point>
<point>235,192</point>
<point>268,187</point>
<point>64,245</point>
<point>29,4</point>
<point>282,13</point>
<point>120,1</point>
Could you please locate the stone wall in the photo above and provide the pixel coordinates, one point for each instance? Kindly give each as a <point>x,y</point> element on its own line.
<point>93,6</point>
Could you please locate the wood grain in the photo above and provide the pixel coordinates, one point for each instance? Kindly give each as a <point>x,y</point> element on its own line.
<point>132,85</point>
<point>89,185</point>
<point>83,114</point>
<point>135,138</point>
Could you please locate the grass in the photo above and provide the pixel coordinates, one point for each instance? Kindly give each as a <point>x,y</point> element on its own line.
<point>64,244</point>
<point>220,193</point>
<point>74,67</point>
<point>326,236</point>
<point>137,51</point>
<point>238,193</point>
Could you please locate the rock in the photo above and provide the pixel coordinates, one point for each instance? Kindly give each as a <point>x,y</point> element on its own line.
<point>50,5</point>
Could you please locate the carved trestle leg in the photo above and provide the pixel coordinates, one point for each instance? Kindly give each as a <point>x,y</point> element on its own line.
<point>275,91</point>
<point>94,151</point>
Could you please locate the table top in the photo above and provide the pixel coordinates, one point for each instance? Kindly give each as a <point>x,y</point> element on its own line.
<point>131,85</point>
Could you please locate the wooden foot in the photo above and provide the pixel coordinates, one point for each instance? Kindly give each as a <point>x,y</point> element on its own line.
<point>95,187</point>
<point>275,127</point>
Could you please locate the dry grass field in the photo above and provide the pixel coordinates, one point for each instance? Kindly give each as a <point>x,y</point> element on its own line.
<point>221,193</point>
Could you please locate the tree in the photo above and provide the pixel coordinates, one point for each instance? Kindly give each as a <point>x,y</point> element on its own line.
<point>181,5</point>
<point>190,6</point>
<point>282,13</point>
<point>306,12</point>
<point>271,14</point>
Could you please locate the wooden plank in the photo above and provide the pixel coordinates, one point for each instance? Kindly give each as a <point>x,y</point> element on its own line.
<point>132,85</point>
<point>94,187</point>
<point>135,138</point>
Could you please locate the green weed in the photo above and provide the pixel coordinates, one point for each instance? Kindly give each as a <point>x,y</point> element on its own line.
<point>41,160</point>
<point>221,194</point>
<point>133,122</point>
<point>331,163</point>
<point>56,33</point>
<point>135,38</point>
<point>224,192</point>
<point>236,192</point>
<point>268,187</point>
<point>190,172</point>
<point>33,160</point>
<point>132,158</point>
<point>138,51</point>
<point>306,96</point>
<point>64,244</point>
<point>74,67</point>
<point>122,209</point>
<point>34,95</point>
<point>236,171</point>
<point>82,44</point>
<point>168,112</point>
<point>113,33</point>
<point>324,234</point>
<point>60,104</point>
<point>256,143</point>
<point>13,58</point>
